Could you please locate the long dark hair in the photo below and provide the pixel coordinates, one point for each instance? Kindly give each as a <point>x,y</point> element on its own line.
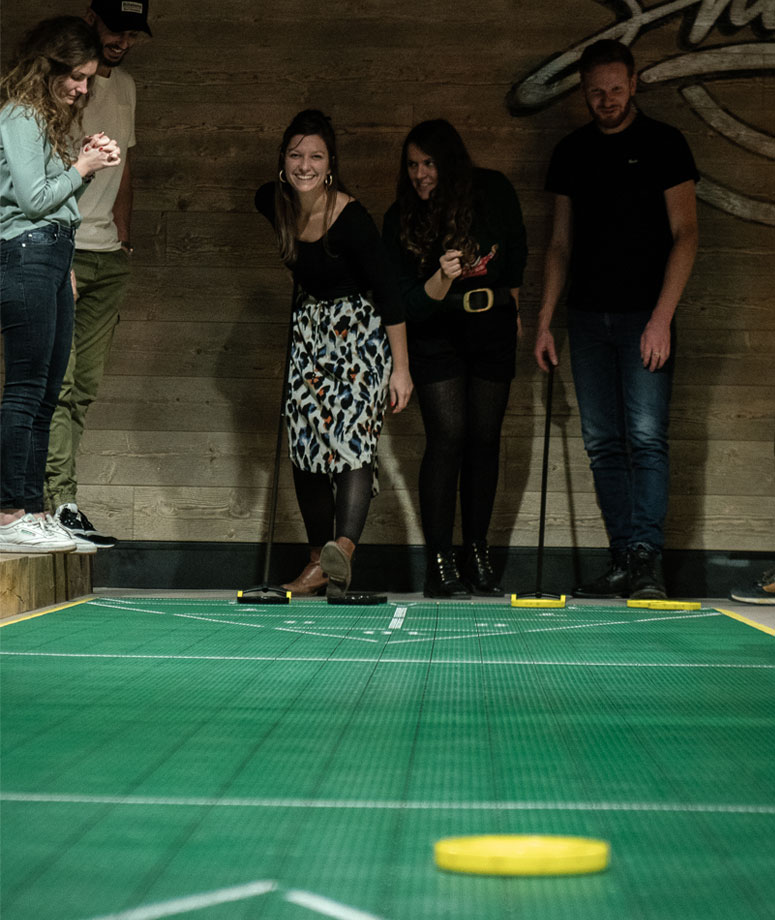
<point>287,209</point>
<point>48,54</point>
<point>446,217</point>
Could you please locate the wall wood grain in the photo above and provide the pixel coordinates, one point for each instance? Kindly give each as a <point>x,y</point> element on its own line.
<point>179,446</point>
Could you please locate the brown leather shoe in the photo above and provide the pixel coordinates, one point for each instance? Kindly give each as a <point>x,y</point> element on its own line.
<point>311,580</point>
<point>335,559</point>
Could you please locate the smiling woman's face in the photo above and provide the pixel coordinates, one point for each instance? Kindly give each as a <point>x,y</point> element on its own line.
<point>423,172</point>
<point>306,162</point>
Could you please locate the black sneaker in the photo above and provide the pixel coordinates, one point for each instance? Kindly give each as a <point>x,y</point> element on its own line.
<point>76,523</point>
<point>613,583</point>
<point>647,583</point>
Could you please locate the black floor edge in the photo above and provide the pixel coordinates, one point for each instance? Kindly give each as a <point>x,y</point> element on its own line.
<point>203,566</point>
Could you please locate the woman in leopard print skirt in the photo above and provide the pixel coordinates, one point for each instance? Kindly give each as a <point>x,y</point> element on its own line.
<point>348,349</point>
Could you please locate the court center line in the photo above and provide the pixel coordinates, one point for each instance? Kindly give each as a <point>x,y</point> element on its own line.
<point>32,798</point>
<point>193,902</point>
<point>313,659</point>
<point>398,618</point>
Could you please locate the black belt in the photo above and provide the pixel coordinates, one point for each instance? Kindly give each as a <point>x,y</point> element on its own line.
<point>479,300</point>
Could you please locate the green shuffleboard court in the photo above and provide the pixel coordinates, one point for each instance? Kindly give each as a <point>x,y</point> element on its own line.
<point>205,759</point>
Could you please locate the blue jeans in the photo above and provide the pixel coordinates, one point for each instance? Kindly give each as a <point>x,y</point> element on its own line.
<point>36,316</point>
<point>624,411</point>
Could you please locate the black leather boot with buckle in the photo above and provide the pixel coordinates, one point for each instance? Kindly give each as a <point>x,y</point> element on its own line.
<point>442,578</point>
<point>477,573</point>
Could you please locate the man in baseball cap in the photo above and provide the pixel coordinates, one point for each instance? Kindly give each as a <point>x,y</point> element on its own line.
<point>123,15</point>
<point>102,260</point>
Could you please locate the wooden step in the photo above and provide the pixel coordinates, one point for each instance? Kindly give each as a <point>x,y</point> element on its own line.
<point>30,581</point>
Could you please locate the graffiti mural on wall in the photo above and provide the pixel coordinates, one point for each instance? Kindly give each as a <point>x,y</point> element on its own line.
<point>691,70</point>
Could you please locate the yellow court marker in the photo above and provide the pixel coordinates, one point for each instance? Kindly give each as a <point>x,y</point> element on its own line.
<point>522,854</point>
<point>517,601</point>
<point>41,613</point>
<point>736,616</point>
<point>666,605</point>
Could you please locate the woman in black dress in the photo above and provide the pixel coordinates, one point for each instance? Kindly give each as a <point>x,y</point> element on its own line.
<point>348,347</point>
<point>456,238</point>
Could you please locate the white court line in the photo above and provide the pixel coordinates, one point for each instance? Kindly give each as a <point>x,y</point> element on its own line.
<point>159,613</point>
<point>316,902</point>
<point>456,637</point>
<point>192,902</point>
<point>308,632</point>
<point>686,616</point>
<point>398,618</point>
<point>191,616</point>
<point>519,632</point>
<point>386,804</point>
<point>326,906</point>
<point>313,659</point>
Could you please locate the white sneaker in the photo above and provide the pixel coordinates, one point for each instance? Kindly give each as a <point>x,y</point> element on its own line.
<point>82,547</point>
<point>31,535</point>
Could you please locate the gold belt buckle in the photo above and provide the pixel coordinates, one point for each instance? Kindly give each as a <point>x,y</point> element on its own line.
<point>467,300</point>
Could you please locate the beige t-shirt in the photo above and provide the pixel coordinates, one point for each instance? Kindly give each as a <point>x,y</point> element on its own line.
<point>111,109</point>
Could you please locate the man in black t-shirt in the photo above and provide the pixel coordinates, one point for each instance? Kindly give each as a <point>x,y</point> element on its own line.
<point>625,237</point>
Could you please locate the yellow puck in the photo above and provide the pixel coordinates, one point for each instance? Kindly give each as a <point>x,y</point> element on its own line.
<point>522,854</point>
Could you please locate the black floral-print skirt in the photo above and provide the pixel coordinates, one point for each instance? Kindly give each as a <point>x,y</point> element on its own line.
<point>338,384</point>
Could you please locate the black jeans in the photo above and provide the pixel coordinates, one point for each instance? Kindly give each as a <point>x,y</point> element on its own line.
<point>36,316</point>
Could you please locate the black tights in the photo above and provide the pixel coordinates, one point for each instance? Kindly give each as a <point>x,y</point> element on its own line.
<point>462,419</point>
<point>321,506</point>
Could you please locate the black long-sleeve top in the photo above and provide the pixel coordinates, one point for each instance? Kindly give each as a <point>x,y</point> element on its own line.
<point>351,259</point>
<point>498,229</point>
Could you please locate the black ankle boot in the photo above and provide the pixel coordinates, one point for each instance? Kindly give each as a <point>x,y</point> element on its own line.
<point>477,571</point>
<point>442,578</point>
<point>613,583</point>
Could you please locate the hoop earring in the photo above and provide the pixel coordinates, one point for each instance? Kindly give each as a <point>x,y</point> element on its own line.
<point>329,180</point>
<point>282,178</point>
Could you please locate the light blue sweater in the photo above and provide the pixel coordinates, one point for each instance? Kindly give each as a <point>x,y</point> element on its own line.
<point>35,186</point>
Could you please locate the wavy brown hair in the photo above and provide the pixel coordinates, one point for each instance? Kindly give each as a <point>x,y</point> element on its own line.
<point>287,208</point>
<point>445,218</point>
<point>47,54</point>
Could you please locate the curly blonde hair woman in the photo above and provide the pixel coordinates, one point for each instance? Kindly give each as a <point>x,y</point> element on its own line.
<point>41,177</point>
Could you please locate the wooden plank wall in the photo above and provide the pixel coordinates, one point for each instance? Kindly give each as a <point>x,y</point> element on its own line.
<point>180,444</point>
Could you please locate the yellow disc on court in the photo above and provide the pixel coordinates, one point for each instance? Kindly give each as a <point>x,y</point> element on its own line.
<point>522,854</point>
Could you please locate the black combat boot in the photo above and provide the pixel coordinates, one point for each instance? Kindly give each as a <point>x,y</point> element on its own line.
<point>647,582</point>
<point>614,583</point>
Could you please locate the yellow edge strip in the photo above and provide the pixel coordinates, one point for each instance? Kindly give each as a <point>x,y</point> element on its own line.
<point>42,613</point>
<point>736,616</point>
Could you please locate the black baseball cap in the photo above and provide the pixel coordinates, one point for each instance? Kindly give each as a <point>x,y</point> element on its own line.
<point>123,15</point>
